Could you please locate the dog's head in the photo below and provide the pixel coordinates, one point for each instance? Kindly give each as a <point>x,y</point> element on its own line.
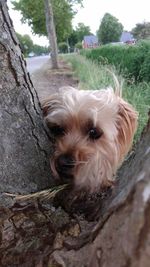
<point>93,131</point>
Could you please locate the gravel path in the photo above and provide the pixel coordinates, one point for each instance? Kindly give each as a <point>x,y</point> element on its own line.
<point>47,81</point>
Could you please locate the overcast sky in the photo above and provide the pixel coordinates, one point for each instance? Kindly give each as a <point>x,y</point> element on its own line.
<point>128,12</point>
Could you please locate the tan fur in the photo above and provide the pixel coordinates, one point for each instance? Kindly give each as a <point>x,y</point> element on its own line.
<point>96,161</point>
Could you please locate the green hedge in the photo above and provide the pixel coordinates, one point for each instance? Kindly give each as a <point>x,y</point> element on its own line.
<point>133,61</point>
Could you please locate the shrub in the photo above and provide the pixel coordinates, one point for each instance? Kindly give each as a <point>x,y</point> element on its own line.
<point>78,45</point>
<point>131,61</point>
<point>63,47</point>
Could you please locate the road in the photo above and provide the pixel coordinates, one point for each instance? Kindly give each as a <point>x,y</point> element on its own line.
<point>34,63</point>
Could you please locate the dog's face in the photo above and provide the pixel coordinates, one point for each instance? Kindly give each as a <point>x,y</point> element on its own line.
<point>93,131</point>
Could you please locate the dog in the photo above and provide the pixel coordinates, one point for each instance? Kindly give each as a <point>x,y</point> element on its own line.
<point>93,132</point>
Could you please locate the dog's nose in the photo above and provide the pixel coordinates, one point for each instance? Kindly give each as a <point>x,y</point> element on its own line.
<point>65,163</point>
<point>64,166</point>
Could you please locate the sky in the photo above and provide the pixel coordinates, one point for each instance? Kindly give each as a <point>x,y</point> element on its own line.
<point>128,12</point>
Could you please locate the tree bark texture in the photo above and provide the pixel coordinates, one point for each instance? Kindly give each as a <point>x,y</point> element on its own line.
<point>50,26</point>
<point>24,144</point>
<point>39,234</point>
<point>121,237</point>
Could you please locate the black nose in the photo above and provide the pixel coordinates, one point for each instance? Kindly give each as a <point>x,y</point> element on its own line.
<point>65,163</point>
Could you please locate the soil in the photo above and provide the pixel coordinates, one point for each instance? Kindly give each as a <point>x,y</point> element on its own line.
<point>47,81</point>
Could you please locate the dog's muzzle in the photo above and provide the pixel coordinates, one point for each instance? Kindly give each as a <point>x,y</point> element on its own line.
<point>64,166</point>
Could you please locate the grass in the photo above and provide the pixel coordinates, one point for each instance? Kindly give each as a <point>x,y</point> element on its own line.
<point>44,194</point>
<point>93,76</point>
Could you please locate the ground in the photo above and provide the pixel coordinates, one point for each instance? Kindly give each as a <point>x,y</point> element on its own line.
<point>47,81</point>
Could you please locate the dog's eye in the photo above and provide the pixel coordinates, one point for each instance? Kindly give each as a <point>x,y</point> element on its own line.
<point>57,130</point>
<point>95,133</point>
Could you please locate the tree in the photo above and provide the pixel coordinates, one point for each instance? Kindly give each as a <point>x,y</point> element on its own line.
<point>34,14</point>
<point>73,39</point>
<point>63,47</point>
<point>60,21</point>
<point>26,43</point>
<point>78,34</point>
<point>141,31</point>
<point>24,145</point>
<point>39,50</point>
<point>28,46</point>
<point>51,33</point>
<point>113,230</point>
<point>81,31</point>
<point>109,30</point>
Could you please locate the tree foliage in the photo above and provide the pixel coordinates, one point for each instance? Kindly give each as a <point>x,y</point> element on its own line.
<point>28,46</point>
<point>26,43</point>
<point>77,35</point>
<point>109,30</point>
<point>141,31</point>
<point>39,50</point>
<point>73,39</point>
<point>33,13</point>
<point>63,47</point>
<point>81,31</point>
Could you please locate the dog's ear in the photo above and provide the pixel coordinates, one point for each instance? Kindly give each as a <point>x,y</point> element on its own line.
<point>126,125</point>
<point>44,109</point>
<point>49,104</point>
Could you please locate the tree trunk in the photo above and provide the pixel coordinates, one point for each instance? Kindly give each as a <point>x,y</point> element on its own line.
<point>51,33</point>
<point>24,144</point>
<point>111,229</point>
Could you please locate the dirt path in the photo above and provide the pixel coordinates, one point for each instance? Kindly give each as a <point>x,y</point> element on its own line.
<point>47,81</point>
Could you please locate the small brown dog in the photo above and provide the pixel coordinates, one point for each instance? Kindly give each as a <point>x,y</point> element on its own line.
<point>93,131</point>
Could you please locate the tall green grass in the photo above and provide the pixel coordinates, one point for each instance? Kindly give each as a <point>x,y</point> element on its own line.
<point>93,76</point>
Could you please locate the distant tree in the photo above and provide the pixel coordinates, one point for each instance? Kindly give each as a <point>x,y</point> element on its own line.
<point>51,32</point>
<point>33,13</point>
<point>109,30</point>
<point>81,31</point>
<point>26,43</point>
<point>141,31</point>
<point>63,47</point>
<point>78,34</point>
<point>28,46</point>
<point>39,50</point>
<point>78,45</point>
<point>58,15</point>
<point>73,39</point>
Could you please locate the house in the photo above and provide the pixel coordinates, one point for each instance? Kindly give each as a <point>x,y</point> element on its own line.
<point>127,38</point>
<point>90,41</point>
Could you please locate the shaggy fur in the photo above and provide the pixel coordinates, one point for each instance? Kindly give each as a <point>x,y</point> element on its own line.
<point>93,132</point>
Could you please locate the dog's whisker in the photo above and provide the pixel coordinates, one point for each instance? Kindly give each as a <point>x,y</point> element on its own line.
<point>82,162</point>
<point>77,162</point>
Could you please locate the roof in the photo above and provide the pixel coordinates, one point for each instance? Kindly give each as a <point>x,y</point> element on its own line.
<point>126,36</point>
<point>90,39</point>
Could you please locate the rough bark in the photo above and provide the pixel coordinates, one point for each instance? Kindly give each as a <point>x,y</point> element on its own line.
<point>121,237</point>
<point>112,229</point>
<point>24,144</point>
<point>51,33</point>
<point>37,234</point>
